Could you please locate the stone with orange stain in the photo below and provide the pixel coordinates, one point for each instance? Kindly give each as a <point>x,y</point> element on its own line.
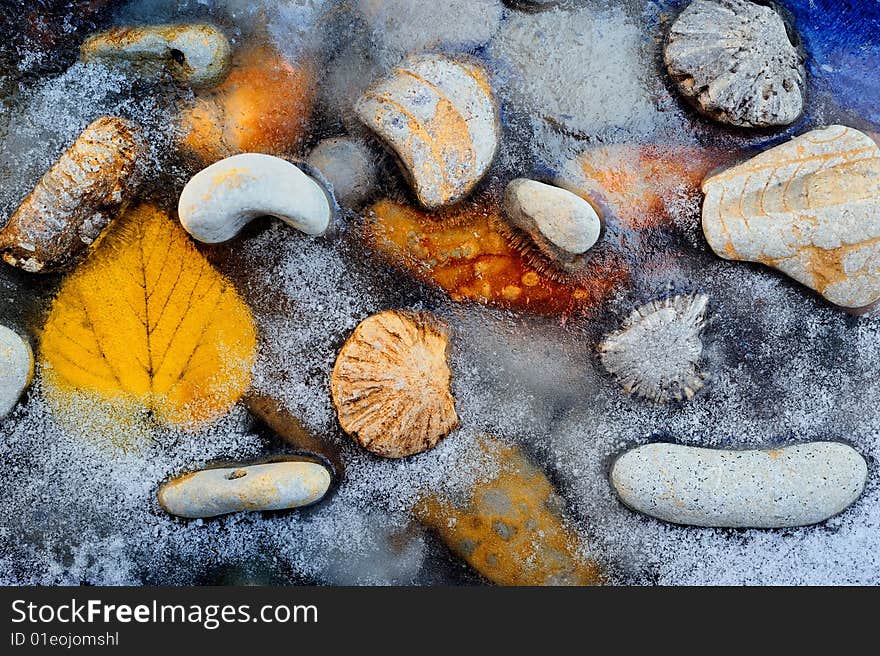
<point>263,106</point>
<point>808,208</point>
<point>510,529</point>
<point>462,251</point>
<point>642,185</point>
<point>438,115</point>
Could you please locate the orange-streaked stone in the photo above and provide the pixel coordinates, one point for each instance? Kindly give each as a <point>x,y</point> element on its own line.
<point>263,106</point>
<point>461,251</point>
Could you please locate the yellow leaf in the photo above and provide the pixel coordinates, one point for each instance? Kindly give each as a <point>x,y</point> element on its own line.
<point>146,322</point>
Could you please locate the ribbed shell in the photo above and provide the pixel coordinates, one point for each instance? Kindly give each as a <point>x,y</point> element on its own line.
<point>656,352</point>
<point>76,199</point>
<point>390,384</point>
<point>733,59</point>
<point>438,115</point>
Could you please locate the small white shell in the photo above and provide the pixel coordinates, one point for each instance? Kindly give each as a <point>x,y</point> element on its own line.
<point>438,115</point>
<point>198,55</point>
<point>16,368</point>
<point>220,200</point>
<point>271,486</point>
<point>733,59</point>
<point>793,486</point>
<point>656,352</point>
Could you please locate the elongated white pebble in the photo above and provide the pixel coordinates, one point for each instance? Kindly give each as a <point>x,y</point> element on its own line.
<point>793,486</point>
<point>221,199</point>
<point>270,486</point>
<point>16,368</point>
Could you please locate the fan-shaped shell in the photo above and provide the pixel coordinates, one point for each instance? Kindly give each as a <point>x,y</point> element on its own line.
<point>390,384</point>
<point>656,352</point>
<point>438,115</point>
<point>734,61</point>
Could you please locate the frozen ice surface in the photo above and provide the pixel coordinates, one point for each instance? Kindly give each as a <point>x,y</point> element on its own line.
<point>783,366</point>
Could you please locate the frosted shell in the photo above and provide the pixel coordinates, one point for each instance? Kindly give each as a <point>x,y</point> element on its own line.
<point>733,59</point>
<point>438,115</point>
<point>809,208</point>
<point>390,384</point>
<point>656,352</point>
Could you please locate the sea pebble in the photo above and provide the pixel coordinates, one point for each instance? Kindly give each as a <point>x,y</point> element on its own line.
<point>348,166</point>
<point>391,384</point>
<point>196,54</point>
<point>734,60</point>
<point>16,368</point>
<point>809,208</point>
<point>268,486</point>
<point>656,352</point>
<point>76,199</point>
<point>775,488</point>
<point>438,115</point>
<point>221,199</point>
<point>560,224</point>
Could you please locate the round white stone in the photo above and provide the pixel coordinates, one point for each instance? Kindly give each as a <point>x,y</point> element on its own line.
<point>271,486</point>
<point>775,488</point>
<point>16,368</point>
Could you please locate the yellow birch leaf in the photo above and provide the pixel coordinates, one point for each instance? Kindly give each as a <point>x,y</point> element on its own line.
<point>146,322</point>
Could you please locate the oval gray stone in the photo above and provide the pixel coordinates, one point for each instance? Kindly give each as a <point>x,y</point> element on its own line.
<point>348,166</point>
<point>269,486</point>
<point>774,488</point>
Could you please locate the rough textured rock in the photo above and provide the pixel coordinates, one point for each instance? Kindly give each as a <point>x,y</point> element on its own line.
<point>76,199</point>
<point>656,352</point>
<point>268,486</point>
<point>196,54</point>
<point>560,225</point>
<point>511,528</point>
<point>792,486</point>
<point>810,208</point>
<point>438,115</point>
<point>734,61</point>
<point>349,167</point>
<point>390,384</point>
<point>221,199</point>
<point>16,368</point>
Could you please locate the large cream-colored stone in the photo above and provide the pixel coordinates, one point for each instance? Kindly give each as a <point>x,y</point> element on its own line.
<point>438,115</point>
<point>810,208</point>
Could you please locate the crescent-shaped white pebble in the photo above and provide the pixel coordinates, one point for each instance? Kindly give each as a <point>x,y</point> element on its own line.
<point>221,199</point>
<point>16,368</point>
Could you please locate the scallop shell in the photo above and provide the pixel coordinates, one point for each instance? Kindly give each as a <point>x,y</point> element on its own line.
<point>390,384</point>
<point>656,352</point>
<point>808,208</point>
<point>734,61</point>
<point>438,115</point>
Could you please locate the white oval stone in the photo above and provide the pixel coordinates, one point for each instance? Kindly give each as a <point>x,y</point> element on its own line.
<point>774,488</point>
<point>270,486</point>
<point>348,166</point>
<point>16,368</point>
<point>221,199</point>
<point>563,221</point>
